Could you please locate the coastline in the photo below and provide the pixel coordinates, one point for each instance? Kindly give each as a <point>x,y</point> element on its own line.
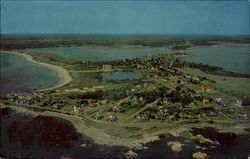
<point>62,73</point>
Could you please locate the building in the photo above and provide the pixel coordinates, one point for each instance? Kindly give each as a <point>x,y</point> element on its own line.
<point>93,104</point>
<point>111,116</point>
<point>107,68</point>
<point>205,100</point>
<point>218,99</point>
<point>238,103</point>
<point>78,108</point>
<point>206,89</point>
<point>243,116</point>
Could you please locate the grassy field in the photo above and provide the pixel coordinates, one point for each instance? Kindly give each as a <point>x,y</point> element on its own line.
<point>231,86</point>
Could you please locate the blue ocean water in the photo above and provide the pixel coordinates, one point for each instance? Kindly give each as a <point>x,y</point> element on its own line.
<point>18,75</point>
<point>103,53</point>
<point>233,57</point>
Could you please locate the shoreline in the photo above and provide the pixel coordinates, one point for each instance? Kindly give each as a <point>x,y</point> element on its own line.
<point>63,74</point>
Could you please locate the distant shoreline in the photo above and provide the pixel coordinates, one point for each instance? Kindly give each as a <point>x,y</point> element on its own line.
<point>62,73</point>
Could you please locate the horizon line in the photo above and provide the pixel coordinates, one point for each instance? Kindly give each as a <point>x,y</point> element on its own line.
<point>120,34</point>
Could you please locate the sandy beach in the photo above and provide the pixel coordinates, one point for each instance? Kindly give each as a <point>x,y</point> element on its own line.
<point>62,73</point>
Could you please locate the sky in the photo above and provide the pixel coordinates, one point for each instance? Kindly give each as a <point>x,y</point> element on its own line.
<point>125,17</point>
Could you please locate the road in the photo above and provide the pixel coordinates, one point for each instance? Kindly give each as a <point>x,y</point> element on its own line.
<point>144,108</point>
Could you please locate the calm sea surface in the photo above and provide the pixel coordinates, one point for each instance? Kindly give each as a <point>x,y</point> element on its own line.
<point>233,57</point>
<point>19,75</point>
<point>103,53</point>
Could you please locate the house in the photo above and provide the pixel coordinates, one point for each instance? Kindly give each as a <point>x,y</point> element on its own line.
<point>206,88</point>
<point>182,115</point>
<point>111,116</point>
<point>205,100</point>
<point>77,108</point>
<point>243,116</point>
<point>107,68</point>
<point>58,91</point>
<point>58,106</point>
<point>138,86</point>
<point>138,117</point>
<point>141,98</point>
<point>104,101</point>
<point>142,117</point>
<point>85,62</point>
<point>98,116</point>
<point>238,103</point>
<point>93,104</point>
<point>218,99</point>
<point>165,100</point>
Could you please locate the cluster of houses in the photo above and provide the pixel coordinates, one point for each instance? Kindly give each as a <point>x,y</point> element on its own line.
<point>109,113</point>
<point>137,88</point>
<point>81,106</point>
<point>110,116</point>
<point>78,108</point>
<point>162,114</point>
<point>230,109</point>
<point>174,113</point>
<point>23,98</point>
<point>143,116</point>
<point>165,64</point>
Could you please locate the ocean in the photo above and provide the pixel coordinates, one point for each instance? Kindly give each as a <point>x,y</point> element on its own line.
<point>102,53</point>
<point>232,57</point>
<point>18,75</point>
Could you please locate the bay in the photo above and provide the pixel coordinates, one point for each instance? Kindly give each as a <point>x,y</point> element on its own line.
<point>18,75</point>
<point>232,57</point>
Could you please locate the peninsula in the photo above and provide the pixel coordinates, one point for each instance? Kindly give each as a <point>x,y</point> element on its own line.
<point>134,104</point>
